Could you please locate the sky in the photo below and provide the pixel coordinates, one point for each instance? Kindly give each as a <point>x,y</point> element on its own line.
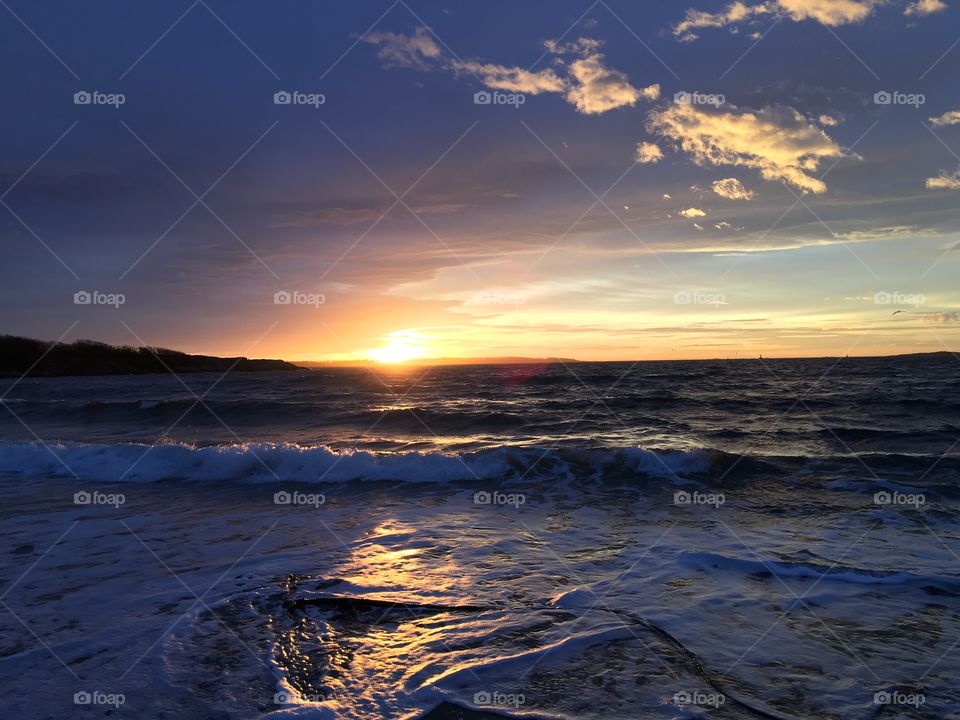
<point>388,181</point>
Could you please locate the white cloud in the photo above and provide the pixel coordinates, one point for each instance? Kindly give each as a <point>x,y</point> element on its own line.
<point>732,189</point>
<point>647,153</point>
<point>776,140</point>
<point>828,121</point>
<point>832,13</point>
<point>411,51</point>
<point>948,118</point>
<point>693,213</point>
<point>829,12</point>
<point>925,7</point>
<point>945,181</point>
<point>513,79</point>
<point>585,81</point>
<point>596,88</point>
<point>697,19</point>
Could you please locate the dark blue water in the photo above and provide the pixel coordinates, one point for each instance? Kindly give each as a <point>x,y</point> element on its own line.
<point>745,539</point>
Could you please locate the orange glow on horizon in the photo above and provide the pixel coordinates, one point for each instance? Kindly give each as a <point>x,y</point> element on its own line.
<point>401,346</point>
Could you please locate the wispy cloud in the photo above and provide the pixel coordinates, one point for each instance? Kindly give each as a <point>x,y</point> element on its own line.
<point>580,73</point>
<point>948,118</point>
<point>351,216</point>
<point>409,51</point>
<point>776,140</point>
<point>832,13</point>
<point>647,153</point>
<point>732,189</point>
<point>945,181</point>
<point>925,7</point>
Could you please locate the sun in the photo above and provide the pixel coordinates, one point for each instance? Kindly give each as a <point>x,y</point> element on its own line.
<point>401,346</point>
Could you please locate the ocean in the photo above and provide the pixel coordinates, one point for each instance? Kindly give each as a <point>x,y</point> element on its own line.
<point>723,539</point>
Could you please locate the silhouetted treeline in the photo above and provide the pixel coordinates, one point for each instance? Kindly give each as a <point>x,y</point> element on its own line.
<point>36,358</point>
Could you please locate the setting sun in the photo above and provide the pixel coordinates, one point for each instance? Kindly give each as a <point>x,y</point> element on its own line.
<point>401,346</point>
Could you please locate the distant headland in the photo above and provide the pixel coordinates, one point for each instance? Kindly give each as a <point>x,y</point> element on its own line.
<point>25,357</point>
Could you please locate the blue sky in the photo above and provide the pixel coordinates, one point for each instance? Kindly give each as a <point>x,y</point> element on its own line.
<point>591,209</point>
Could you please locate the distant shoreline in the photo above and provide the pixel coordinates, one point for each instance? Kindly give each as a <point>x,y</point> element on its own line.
<point>438,362</point>
<point>25,357</point>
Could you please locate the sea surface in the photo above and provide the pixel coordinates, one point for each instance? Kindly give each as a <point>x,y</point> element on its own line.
<point>736,539</point>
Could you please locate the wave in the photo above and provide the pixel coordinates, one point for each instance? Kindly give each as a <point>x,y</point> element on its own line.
<point>267,462</point>
<point>807,569</point>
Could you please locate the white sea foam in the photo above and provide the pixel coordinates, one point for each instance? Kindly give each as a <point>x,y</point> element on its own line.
<point>267,462</point>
